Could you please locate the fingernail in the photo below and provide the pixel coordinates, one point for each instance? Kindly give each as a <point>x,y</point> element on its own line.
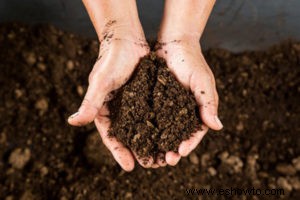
<point>74,115</point>
<point>218,121</point>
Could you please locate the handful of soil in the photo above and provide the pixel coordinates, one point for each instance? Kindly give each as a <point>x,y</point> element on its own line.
<point>153,112</point>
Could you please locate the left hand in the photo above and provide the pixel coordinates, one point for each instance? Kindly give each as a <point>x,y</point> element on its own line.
<point>186,62</point>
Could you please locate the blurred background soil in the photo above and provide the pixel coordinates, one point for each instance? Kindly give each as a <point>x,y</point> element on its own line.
<point>43,77</point>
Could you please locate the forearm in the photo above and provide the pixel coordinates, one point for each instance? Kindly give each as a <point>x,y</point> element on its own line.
<point>184,19</point>
<point>114,14</point>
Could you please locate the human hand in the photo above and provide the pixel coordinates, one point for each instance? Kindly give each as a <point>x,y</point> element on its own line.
<point>123,43</point>
<point>120,51</point>
<point>186,62</point>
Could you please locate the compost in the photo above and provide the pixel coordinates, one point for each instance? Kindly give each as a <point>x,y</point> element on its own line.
<point>43,77</point>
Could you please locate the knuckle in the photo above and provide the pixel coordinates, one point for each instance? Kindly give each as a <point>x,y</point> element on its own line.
<point>208,78</point>
<point>198,91</point>
<point>91,77</point>
<point>85,102</point>
<point>89,106</point>
<point>211,102</point>
<point>107,141</point>
<point>106,85</point>
<point>207,75</point>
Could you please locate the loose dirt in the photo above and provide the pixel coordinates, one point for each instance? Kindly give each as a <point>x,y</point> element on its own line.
<point>43,77</point>
<point>153,113</point>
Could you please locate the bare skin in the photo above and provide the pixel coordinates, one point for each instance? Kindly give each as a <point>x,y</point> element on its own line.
<point>122,45</point>
<point>178,41</point>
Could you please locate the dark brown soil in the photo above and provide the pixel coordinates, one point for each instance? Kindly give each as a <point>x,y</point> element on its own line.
<point>153,113</point>
<point>43,77</point>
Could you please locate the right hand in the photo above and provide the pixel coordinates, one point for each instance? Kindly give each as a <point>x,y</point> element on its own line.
<point>118,58</point>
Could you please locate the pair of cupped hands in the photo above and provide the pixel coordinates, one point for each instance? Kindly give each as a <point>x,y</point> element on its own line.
<point>118,58</point>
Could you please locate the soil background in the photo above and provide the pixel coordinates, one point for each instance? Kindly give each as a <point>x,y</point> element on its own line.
<point>43,77</point>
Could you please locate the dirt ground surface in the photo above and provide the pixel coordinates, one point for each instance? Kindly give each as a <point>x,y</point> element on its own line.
<point>43,77</point>
<point>153,113</point>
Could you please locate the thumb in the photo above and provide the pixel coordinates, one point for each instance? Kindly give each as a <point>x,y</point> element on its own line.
<point>90,106</point>
<point>208,100</point>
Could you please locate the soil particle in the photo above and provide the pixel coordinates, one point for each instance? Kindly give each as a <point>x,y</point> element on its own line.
<point>3,138</point>
<point>80,90</point>
<point>110,23</point>
<point>205,160</point>
<point>285,184</point>
<point>42,66</point>
<point>42,105</point>
<point>240,126</point>
<point>70,65</point>
<point>30,58</point>
<point>212,171</point>
<point>232,163</point>
<point>128,195</point>
<point>44,171</point>
<point>27,195</point>
<point>286,169</point>
<point>194,158</point>
<point>18,93</point>
<point>19,158</point>
<point>295,182</point>
<point>252,166</point>
<point>9,197</point>
<point>153,112</point>
<point>296,163</point>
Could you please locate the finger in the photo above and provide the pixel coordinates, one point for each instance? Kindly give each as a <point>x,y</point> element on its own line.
<point>187,146</point>
<point>90,106</point>
<point>121,154</point>
<point>172,158</point>
<point>203,87</point>
<point>161,160</point>
<point>145,162</point>
<point>155,166</point>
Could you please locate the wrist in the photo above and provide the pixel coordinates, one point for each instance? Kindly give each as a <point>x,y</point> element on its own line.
<point>167,45</point>
<point>178,37</point>
<point>171,39</point>
<point>185,20</point>
<point>120,17</point>
<point>119,29</point>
